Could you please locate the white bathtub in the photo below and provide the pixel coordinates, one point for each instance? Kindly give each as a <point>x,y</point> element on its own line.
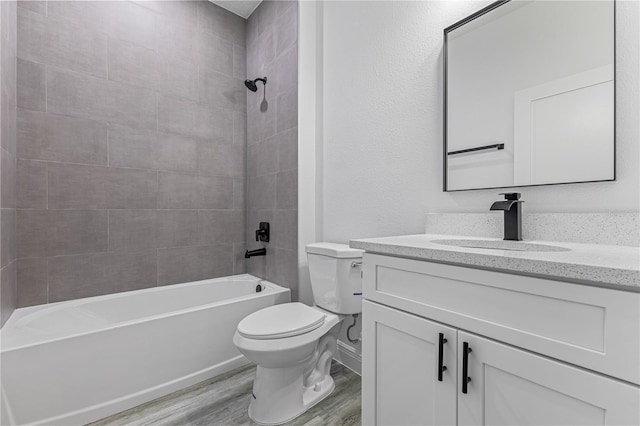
<point>78,361</point>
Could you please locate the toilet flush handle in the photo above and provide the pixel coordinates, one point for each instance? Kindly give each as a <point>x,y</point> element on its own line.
<point>356,264</point>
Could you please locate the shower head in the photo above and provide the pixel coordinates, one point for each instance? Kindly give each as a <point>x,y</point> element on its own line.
<point>251,84</point>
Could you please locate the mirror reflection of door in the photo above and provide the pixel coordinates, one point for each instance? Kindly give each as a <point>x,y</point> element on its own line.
<point>536,78</point>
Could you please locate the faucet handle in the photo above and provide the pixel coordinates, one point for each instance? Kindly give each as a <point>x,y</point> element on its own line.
<point>262,233</point>
<point>511,195</point>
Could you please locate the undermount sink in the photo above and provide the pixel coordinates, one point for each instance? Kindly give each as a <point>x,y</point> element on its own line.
<point>501,245</point>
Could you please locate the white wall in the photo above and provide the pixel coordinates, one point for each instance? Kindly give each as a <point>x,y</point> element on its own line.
<point>381,128</point>
<point>380,103</point>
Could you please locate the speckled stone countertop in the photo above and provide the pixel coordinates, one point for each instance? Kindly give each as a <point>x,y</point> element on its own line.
<point>592,264</point>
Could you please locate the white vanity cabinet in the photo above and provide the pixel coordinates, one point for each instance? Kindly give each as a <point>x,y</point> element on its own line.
<point>542,352</point>
<point>510,386</point>
<point>400,379</point>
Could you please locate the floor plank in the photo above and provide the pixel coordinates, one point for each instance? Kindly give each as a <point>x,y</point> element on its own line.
<point>224,400</point>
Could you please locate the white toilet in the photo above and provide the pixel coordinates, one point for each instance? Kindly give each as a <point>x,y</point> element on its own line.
<point>293,343</point>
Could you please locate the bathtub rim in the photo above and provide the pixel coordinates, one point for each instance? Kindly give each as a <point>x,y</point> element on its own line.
<point>272,288</point>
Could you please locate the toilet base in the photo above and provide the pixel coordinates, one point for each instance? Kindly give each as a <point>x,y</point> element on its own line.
<point>282,394</point>
<point>292,400</point>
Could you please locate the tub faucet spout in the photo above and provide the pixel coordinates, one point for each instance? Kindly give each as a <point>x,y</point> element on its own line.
<point>256,252</point>
<point>512,215</point>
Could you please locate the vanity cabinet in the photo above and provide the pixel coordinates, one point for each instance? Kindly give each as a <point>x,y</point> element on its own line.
<point>400,371</point>
<point>510,386</point>
<point>541,351</point>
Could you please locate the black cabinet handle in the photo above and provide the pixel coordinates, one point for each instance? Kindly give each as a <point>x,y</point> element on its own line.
<point>465,366</point>
<point>441,368</point>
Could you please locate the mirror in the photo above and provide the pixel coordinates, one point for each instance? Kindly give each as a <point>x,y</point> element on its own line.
<point>529,95</point>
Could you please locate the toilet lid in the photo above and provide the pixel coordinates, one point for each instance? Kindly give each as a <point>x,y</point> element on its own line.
<point>279,321</point>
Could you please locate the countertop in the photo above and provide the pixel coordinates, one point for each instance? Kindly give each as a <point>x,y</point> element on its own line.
<point>592,264</point>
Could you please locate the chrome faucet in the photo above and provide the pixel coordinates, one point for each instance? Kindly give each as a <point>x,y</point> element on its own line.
<point>512,215</point>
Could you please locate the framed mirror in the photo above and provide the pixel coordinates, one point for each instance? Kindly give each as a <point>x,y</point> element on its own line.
<point>529,95</point>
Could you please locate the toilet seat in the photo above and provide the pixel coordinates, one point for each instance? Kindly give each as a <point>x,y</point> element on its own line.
<point>281,321</point>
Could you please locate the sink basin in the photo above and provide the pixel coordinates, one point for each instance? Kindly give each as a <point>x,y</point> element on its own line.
<point>501,245</point>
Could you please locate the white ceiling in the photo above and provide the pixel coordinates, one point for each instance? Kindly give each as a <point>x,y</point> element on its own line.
<point>242,8</point>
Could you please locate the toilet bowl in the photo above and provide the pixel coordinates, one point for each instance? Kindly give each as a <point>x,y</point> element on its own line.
<point>293,344</point>
<point>292,370</point>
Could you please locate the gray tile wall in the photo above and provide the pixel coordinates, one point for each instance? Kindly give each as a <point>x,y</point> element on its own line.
<point>272,140</point>
<point>8,263</point>
<point>131,147</point>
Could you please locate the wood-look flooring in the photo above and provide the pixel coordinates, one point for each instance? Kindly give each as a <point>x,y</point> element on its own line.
<point>224,400</point>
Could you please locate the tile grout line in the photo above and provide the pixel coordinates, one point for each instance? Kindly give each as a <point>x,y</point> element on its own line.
<point>108,146</point>
<point>47,267</point>
<point>46,90</point>
<point>46,173</point>
<point>174,172</point>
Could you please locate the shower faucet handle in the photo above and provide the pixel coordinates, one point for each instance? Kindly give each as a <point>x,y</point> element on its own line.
<point>262,234</point>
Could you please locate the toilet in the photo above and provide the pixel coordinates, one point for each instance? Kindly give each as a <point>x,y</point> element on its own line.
<point>293,344</point>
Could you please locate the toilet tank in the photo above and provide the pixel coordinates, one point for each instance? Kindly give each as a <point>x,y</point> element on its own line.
<point>335,280</point>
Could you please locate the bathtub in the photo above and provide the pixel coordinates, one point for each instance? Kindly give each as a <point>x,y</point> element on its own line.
<point>78,361</point>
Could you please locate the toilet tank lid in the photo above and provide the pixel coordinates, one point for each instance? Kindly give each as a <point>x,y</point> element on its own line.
<point>341,251</point>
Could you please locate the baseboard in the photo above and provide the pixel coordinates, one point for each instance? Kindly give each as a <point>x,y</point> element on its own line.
<point>349,357</point>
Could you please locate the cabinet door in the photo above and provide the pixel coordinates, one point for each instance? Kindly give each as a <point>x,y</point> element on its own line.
<point>400,363</point>
<point>510,386</point>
